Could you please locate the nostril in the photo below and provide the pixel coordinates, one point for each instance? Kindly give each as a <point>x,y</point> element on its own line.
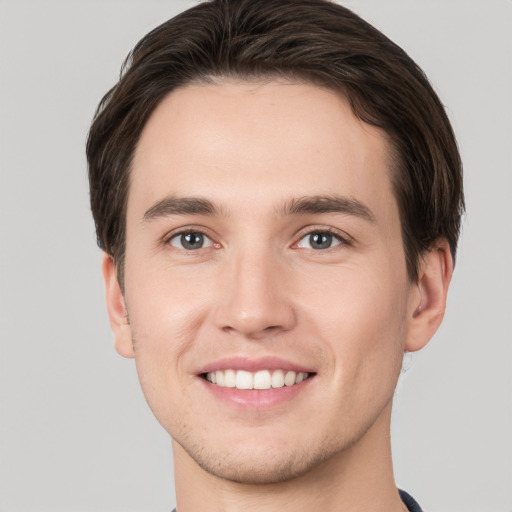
<point>271,329</point>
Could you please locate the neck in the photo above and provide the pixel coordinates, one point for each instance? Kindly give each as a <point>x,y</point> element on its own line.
<point>358,478</point>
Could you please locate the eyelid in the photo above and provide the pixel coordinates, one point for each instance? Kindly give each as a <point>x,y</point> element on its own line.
<point>189,229</point>
<point>344,238</point>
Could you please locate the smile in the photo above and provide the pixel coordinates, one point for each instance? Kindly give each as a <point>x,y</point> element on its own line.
<point>262,379</point>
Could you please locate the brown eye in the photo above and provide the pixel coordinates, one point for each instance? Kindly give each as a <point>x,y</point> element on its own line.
<point>190,241</point>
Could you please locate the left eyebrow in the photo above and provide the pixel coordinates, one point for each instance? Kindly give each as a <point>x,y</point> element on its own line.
<point>328,204</point>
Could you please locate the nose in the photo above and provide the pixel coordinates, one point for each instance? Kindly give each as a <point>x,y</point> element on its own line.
<point>256,298</point>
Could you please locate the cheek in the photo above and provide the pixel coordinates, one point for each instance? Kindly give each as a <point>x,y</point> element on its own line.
<point>361,318</point>
<point>164,302</point>
<point>162,339</point>
<point>166,312</point>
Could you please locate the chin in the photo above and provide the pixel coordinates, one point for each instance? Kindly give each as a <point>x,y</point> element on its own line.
<point>256,470</point>
<point>262,464</point>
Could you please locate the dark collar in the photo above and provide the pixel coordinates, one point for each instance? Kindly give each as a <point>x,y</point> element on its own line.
<point>409,501</point>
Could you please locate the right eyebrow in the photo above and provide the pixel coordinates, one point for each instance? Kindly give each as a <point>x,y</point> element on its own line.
<point>174,205</point>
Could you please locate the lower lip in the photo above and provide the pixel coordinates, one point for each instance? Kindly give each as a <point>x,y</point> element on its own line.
<point>257,399</point>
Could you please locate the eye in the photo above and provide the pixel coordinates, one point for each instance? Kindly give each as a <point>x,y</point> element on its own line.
<point>319,240</point>
<point>190,241</point>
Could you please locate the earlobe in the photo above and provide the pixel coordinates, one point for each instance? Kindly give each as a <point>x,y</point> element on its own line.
<point>116,308</point>
<point>435,273</point>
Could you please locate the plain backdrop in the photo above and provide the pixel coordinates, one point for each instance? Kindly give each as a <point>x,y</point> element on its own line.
<point>75,431</point>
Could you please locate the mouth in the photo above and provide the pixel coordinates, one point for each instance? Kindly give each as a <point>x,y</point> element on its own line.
<point>260,380</point>
<point>257,384</point>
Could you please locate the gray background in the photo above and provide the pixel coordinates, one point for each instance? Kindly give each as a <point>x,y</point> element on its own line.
<point>75,432</point>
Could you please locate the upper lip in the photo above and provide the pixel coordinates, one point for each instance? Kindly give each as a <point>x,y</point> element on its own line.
<point>253,364</point>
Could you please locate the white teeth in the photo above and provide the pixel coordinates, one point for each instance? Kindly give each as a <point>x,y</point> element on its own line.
<point>278,379</point>
<point>244,380</point>
<point>289,378</point>
<point>229,378</point>
<point>262,379</point>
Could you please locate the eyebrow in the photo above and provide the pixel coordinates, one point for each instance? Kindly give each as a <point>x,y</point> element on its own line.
<point>328,204</point>
<point>174,205</point>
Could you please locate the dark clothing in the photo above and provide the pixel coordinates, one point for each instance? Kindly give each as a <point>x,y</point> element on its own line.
<point>408,500</point>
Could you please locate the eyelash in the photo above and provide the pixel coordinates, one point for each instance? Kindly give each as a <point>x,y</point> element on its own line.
<point>343,240</point>
<point>189,231</point>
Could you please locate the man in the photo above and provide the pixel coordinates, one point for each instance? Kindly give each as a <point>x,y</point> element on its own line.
<point>278,193</point>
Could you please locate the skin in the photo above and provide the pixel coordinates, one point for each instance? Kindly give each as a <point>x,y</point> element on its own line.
<point>258,288</point>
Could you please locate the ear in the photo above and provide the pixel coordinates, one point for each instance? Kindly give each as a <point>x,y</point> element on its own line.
<point>116,308</point>
<point>429,300</point>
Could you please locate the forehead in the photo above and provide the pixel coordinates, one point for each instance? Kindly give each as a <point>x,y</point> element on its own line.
<point>241,143</point>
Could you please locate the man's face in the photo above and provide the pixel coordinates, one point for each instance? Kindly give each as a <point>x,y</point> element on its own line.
<point>263,239</point>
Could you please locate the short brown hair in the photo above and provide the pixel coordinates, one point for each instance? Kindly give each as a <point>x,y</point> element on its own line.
<point>316,41</point>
